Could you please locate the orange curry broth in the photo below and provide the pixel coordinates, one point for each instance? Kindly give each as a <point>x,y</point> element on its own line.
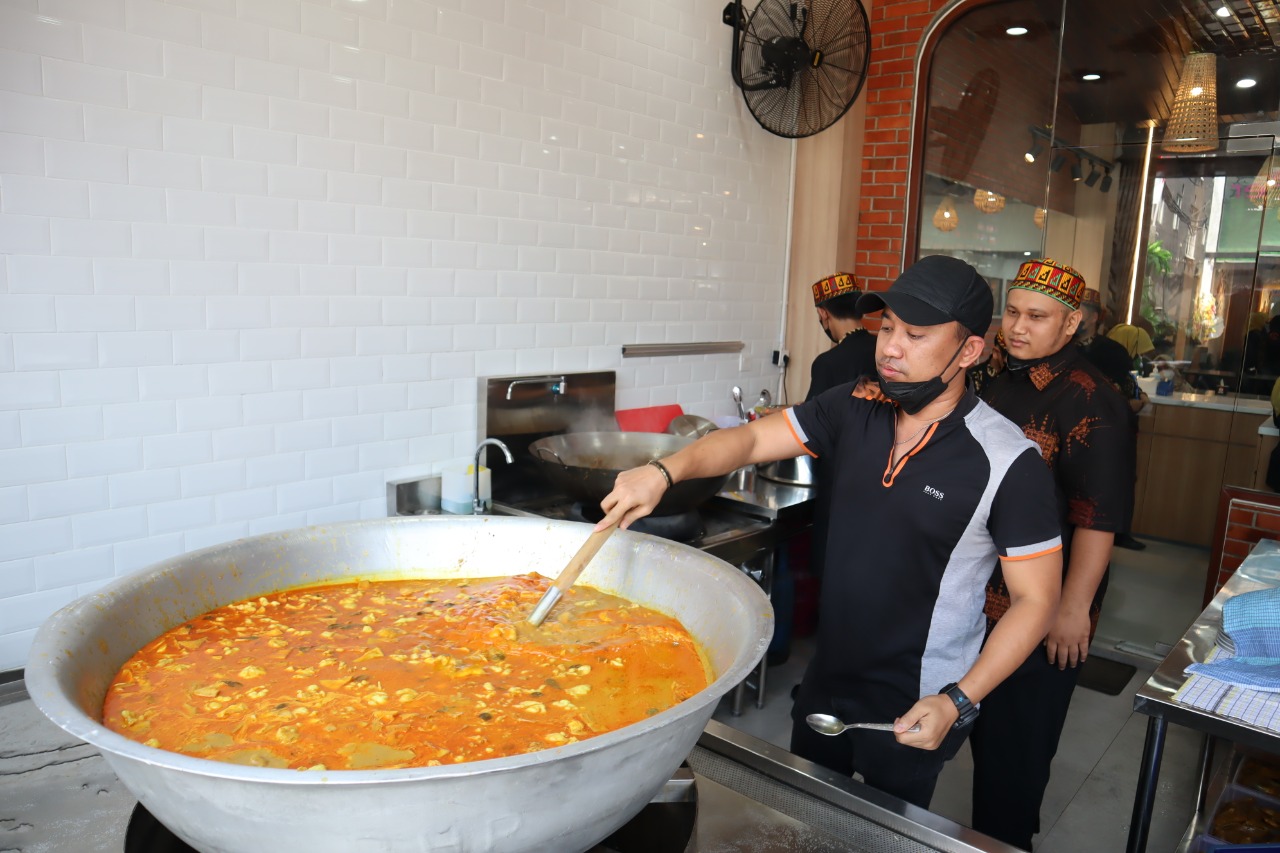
<point>406,673</point>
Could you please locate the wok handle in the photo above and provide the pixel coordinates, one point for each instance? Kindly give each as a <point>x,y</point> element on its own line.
<point>541,450</point>
<point>570,573</point>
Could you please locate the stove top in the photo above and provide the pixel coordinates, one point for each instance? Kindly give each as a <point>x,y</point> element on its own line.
<point>663,826</point>
<point>59,794</point>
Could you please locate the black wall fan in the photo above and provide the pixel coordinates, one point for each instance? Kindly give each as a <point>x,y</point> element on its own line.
<point>800,64</point>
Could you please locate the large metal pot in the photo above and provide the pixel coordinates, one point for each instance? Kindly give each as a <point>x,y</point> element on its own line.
<point>797,471</point>
<point>567,798</point>
<point>585,464</point>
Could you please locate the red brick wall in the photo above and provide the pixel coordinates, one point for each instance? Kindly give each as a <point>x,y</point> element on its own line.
<point>1245,516</point>
<point>897,27</point>
<point>1026,72</point>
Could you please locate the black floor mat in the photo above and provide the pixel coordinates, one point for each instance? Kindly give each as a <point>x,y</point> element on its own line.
<point>1105,676</point>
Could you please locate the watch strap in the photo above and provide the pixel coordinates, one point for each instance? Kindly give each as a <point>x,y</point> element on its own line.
<point>967,710</point>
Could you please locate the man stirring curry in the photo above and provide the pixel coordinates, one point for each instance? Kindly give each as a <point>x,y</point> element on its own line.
<point>940,487</point>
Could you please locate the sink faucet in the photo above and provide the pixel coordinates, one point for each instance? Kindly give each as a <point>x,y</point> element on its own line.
<point>477,504</point>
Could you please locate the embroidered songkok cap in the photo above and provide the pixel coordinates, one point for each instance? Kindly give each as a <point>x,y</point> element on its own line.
<point>839,284</point>
<point>1052,279</point>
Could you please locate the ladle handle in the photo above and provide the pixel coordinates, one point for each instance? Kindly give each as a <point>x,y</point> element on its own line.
<point>570,573</point>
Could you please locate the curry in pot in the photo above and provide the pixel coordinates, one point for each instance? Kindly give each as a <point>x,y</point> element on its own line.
<point>405,673</point>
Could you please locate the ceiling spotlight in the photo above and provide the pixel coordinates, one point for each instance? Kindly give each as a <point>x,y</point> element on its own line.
<point>1076,172</point>
<point>1016,31</point>
<point>1246,83</point>
<point>1222,11</point>
<point>1091,77</point>
<point>1034,151</point>
<point>1105,186</point>
<point>1059,160</point>
<point>1094,174</point>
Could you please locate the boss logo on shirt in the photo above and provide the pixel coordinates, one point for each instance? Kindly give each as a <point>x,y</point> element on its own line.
<point>932,492</point>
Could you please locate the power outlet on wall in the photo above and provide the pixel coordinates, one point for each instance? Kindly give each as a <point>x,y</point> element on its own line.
<point>780,358</point>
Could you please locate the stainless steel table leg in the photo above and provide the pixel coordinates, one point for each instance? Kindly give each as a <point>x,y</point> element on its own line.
<point>766,583</point>
<point>735,704</point>
<point>1207,750</point>
<point>762,575</point>
<point>1148,775</point>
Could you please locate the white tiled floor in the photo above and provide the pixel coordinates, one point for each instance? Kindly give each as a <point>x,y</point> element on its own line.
<point>1154,595</point>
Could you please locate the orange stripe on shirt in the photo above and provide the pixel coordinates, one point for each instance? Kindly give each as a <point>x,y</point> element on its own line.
<point>1033,556</point>
<point>796,436</point>
<point>888,478</point>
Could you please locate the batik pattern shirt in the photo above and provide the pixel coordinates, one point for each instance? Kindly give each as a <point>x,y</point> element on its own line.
<point>1081,424</point>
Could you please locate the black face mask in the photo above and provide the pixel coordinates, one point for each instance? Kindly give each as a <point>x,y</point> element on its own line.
<point>912,397</point>
<point>826,329</point>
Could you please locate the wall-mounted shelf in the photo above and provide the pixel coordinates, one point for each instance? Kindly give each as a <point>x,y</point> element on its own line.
<point>698,348</point>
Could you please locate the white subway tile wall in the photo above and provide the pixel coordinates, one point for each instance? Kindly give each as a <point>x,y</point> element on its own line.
<point>256,254</point>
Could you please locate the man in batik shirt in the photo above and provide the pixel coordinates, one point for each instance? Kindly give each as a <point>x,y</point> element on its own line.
<point>1114,362</point>
<point>1081,423</point>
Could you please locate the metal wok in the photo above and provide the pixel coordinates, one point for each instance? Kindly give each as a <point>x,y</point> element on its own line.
<point>585,464</point>
<point>566,798</point>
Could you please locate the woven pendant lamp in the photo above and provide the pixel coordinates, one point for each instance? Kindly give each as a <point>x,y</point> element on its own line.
<point>1193,122</point>
<point>945,217</point>
<point>1038,217</point>
<point>987,201</point>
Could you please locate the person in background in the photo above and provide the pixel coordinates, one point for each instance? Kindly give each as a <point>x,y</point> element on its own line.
<point>1105,353</point>
<point>1114,363</point>
<point>835,298</point>
<point>984,371</point>
<point>1271,350</point>
<point>854,355</point>
<point>1135,339</point>
<point>940,487</point>
<point>1255,341</point>
<point>1081,424</point>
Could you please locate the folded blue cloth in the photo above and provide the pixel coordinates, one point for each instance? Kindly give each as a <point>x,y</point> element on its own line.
<point>1252,621</point>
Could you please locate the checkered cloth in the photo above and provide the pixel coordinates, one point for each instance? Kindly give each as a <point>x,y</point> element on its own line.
<point>1256,707</point>
<point>1252,621</point>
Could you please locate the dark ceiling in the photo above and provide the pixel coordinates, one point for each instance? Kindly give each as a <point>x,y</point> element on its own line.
<point>1138,46</point>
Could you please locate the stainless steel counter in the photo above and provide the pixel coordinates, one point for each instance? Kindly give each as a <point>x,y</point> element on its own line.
<point>746,491</point>
<point>58,794</point>
<point>1260,570</point>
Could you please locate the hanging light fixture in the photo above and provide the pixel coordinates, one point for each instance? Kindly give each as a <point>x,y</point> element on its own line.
<point>1039,216</point>
<point>988,201</point>
<point>1193,121</point>
<point>1034,151</point>
<point>945,217</point>
<point>1105,186</point>
<point>1094,174</point>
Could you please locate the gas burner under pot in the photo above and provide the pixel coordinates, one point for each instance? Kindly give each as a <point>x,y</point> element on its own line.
<point>660,827</point>
<point>680,527</point>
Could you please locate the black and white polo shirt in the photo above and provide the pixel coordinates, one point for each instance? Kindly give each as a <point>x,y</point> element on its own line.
<point>910,547</point>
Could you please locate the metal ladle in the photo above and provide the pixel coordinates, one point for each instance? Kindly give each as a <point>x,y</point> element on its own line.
<point>737,398</point>
<point>825,724</point>
<point>569,574</point>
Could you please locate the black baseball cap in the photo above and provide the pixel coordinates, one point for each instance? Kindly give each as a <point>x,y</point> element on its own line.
<point>936,290</point>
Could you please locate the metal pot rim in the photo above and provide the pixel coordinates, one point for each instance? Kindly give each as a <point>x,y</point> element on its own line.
<point>42,683</point>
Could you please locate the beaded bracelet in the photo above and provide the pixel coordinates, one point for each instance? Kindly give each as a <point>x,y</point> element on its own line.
<point>666,475</point>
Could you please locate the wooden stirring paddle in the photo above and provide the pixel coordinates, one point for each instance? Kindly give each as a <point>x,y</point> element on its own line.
<point>569,574</point>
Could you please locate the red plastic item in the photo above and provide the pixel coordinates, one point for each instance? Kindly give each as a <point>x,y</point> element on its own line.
<point>648,418</point>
